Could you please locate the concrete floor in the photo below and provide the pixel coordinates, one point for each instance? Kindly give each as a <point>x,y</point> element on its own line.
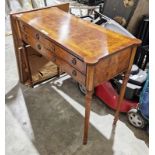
<point>52,114</point>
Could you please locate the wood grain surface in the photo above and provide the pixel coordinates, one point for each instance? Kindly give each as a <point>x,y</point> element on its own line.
<point>89,42</point>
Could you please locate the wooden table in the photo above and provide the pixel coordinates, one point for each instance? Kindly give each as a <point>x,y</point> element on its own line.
<point>89,53</point>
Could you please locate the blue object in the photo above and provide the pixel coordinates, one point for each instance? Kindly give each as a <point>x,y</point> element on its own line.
<point>144,100</point>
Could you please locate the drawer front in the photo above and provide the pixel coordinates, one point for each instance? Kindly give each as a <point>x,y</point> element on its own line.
<point>112,66</point>
<point>53,56</point>
<point>38,46</point>
<point>68,63</point>
<point>34,38</point>
<point>31,32</point>
<point>75,74</point>
<point>73,61</point>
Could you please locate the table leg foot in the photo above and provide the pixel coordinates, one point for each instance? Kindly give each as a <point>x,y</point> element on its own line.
<point>115,121</point>
<point>84,141</point>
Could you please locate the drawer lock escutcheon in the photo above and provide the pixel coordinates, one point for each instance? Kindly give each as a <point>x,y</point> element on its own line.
<point>52,49</point>
<point>74,73</point>
<point>37,36</point>
<point>74,61</point>
<point>39,46</point>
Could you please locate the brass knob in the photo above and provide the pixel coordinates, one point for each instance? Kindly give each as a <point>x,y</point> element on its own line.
<point>74,61</point>
<point>74,72</point>
<point>39,46</point>
<point>37,36</point>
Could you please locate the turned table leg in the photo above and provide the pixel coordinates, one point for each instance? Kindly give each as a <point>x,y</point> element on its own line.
<point>88,99</point>
<point>123,87</point>
<point>121,96</point>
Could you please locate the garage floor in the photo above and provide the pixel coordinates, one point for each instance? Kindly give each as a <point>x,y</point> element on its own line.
<point>52,114</point>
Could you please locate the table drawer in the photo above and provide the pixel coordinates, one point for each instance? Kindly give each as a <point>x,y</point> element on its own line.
<point>51,55</point>
<point>34,38</point>
<point>39,47</point>
<point>75,74</point>
<point>33,33</point>
<point>72,60</point>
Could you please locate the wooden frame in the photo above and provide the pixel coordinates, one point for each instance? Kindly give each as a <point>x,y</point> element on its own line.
<point>78,50</point>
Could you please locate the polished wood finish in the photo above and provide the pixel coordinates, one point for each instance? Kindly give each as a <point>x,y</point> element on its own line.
<point>88,99</point>
<point>40,46</point>
<point>23,76</point>
<point>90,89</point>
<point>89,53</point>
<point>72,60</point>
<point>26,77</point>
<point>117,62</point>
<point>75,74</point>
<point>87,41</point>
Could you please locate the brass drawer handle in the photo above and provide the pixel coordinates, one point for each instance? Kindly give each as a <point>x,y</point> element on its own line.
<point>39,46</point>
<point>74,73</point>
<point>37,36</point>
<point>74,61</point>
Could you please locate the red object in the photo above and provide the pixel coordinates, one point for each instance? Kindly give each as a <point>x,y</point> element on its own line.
<point>109,96</point>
